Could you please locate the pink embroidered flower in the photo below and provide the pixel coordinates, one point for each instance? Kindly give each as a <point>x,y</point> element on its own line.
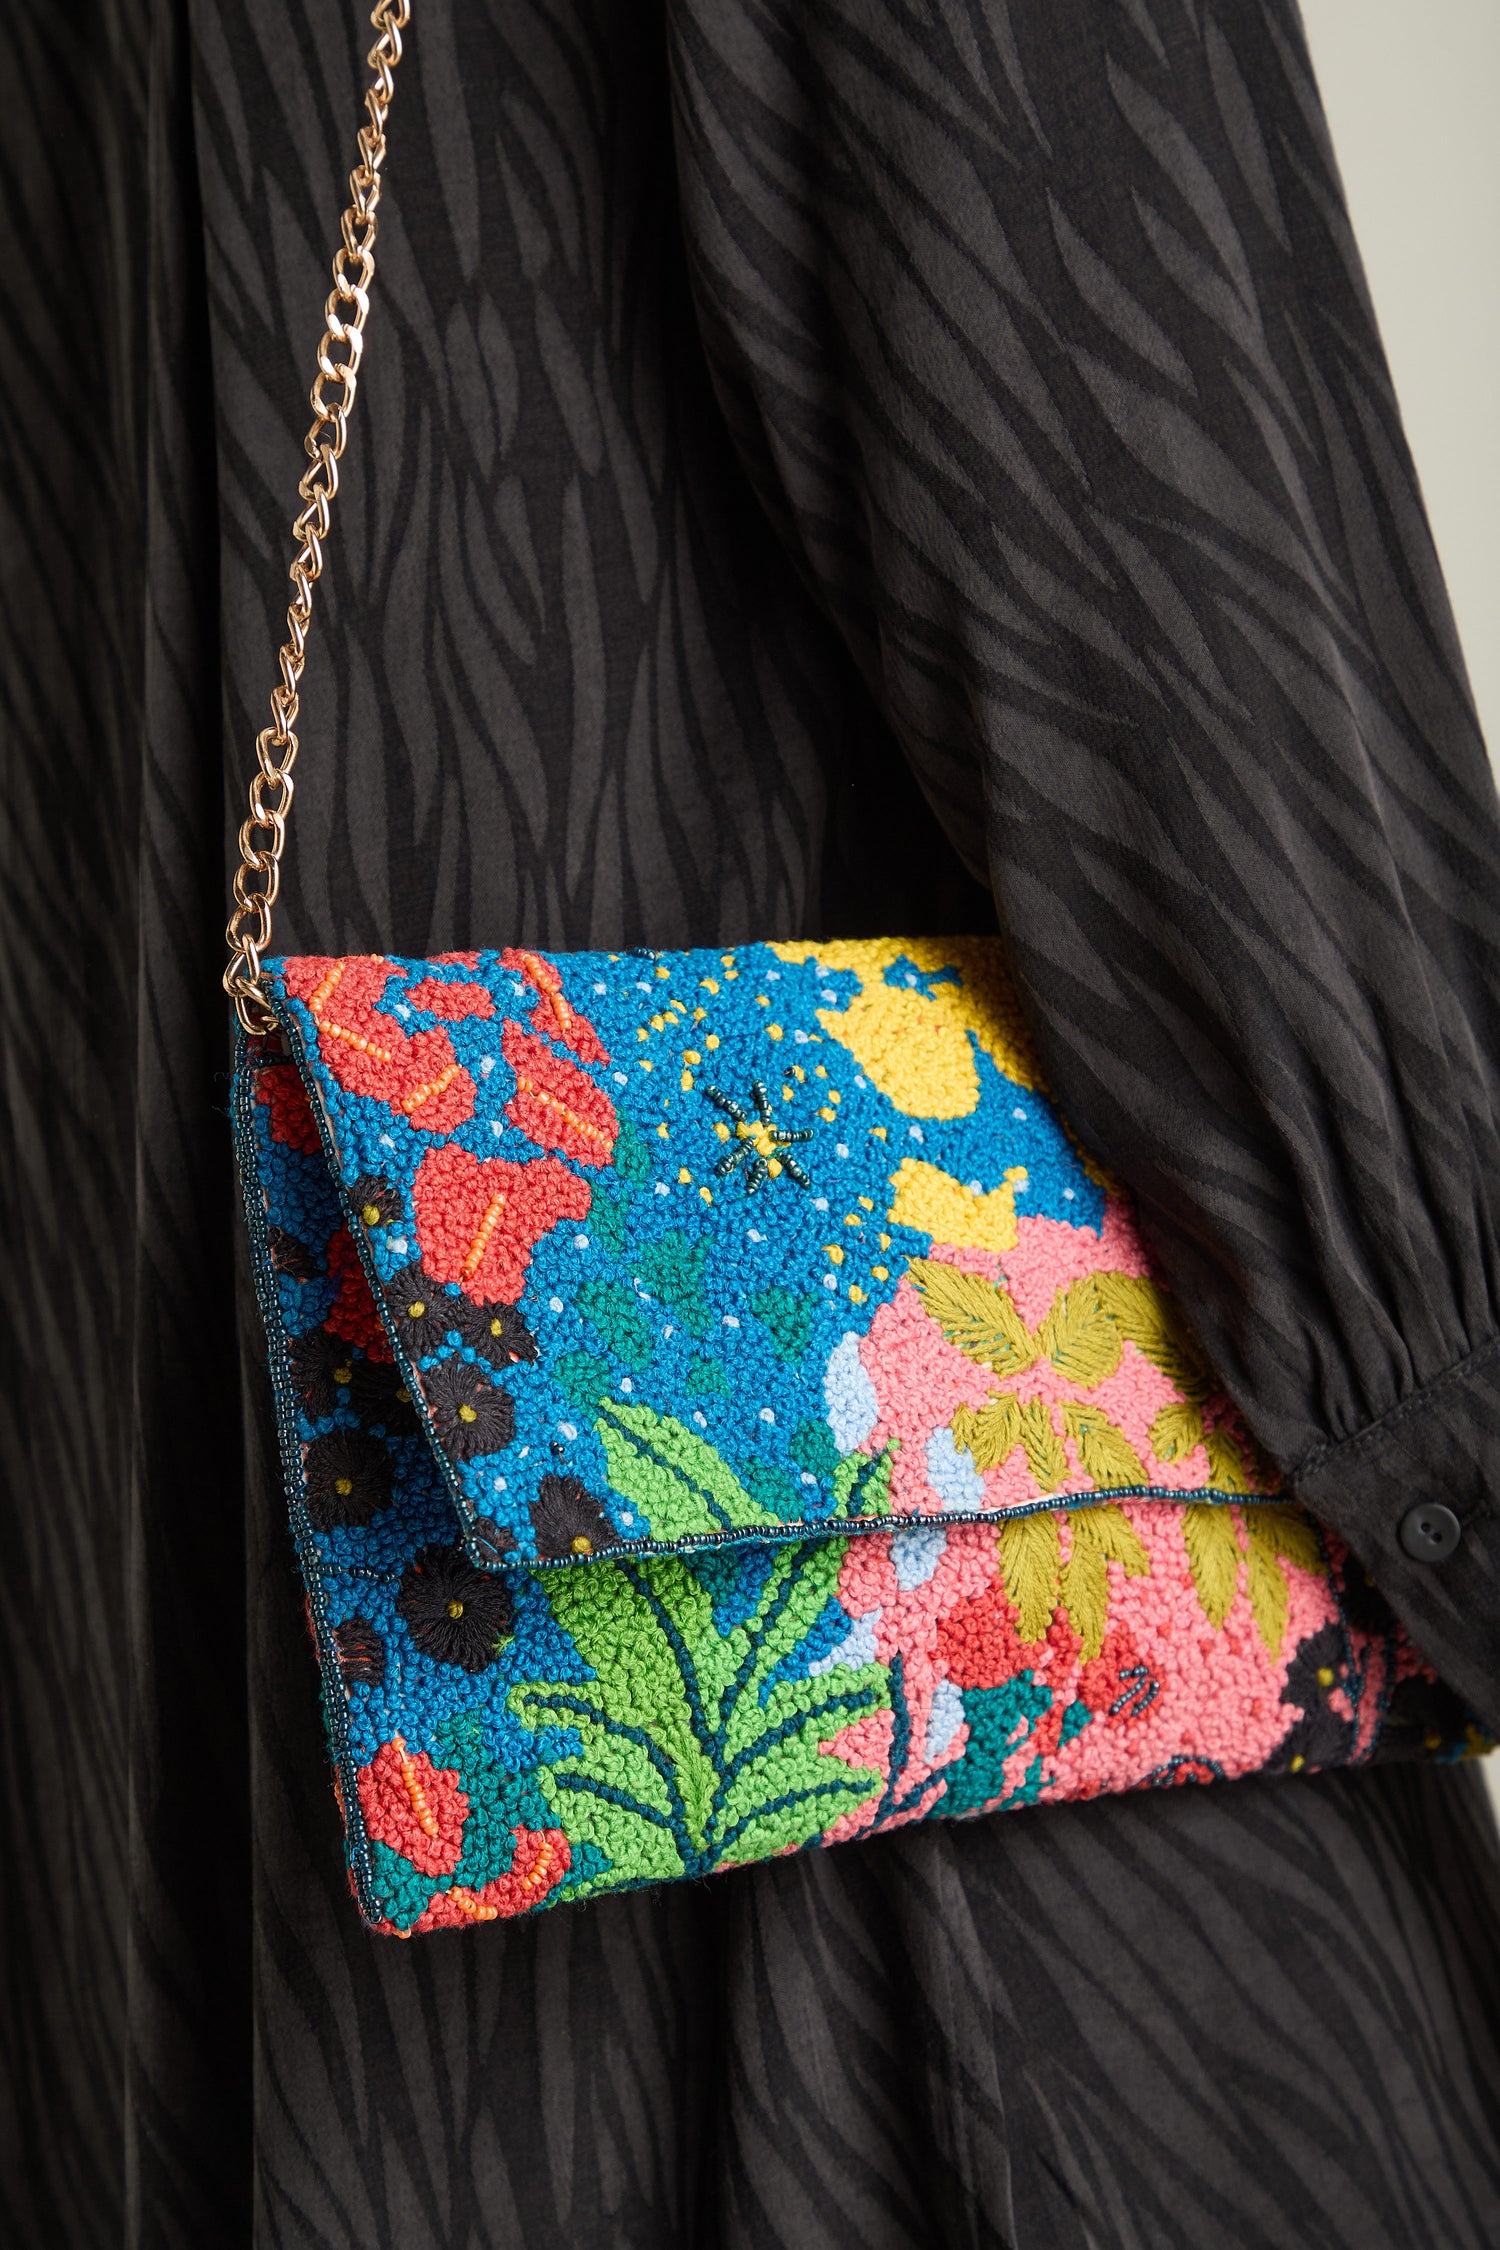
<point>478,1223</point>
<point>416,1808</point>
<point>1166,1685</point>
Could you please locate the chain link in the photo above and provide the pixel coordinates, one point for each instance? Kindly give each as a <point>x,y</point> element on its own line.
<point>263,833</point>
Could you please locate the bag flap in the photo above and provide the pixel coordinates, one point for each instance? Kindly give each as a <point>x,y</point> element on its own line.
<point>674,1249</point>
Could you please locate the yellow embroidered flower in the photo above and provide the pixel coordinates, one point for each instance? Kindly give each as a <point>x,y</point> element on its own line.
<point>914,1037</point>
<point>930,1199</point>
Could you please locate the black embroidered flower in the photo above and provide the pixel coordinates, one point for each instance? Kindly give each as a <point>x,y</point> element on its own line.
<point>470,1413</point>
<point>291,1257</point>
<point>348,1478</point>
<point>375,1201</point>
<point>497,1538</point>
<point>455,1613</point>
<point>1421,1717</point>
<point>361,1652</point>
<point>568,1520</point>
<point>1322,1735</point>
<point>379,1396</point>
<point>496,1330</point>
<point>422,1312</point>
<point>322,1371</point>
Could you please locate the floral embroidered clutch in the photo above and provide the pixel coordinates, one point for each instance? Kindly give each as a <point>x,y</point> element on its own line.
<point>723,1412</point>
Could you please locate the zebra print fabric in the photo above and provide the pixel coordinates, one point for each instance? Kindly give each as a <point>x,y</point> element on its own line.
<point>816,462</point>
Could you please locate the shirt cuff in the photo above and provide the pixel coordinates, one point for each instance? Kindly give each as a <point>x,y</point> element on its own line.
<point>1413,1496</point>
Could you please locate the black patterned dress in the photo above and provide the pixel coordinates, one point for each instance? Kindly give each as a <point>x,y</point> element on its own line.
<point>821,466</point>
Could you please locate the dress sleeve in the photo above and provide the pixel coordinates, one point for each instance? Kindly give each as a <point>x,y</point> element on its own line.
<point>1046,345</point>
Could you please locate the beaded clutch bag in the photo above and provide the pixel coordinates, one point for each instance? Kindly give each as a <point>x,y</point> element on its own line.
<point>722,1410</point>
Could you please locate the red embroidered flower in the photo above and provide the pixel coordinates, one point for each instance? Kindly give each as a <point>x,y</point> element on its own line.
<point>978,1643</point>
<point>359,981</point>
<point>555,1105</point>
<point>284,1094</point>
<point>353,1315</point>
<point>1118,1683</point>
<point>415,1807</point>
<point>543,1857</point>
<point>451,1001</point>
<point>478,1223</point>
<point>417,1074</point>
<point>554,1016</point>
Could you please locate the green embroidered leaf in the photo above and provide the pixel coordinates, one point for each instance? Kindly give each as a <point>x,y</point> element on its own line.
<point>673,1268</point>
<point>1105,1454</point>
<point>1030,1560</point>
<point>992,1433</point>
<point>1078,1336</point>
<point>706,1379</point>
<point>499,1801</point>
<point>846,1476</point>
<point>774,1491</point>
<point>1146,1318</point>
<point>1226,1469</point>
<point>1045,1456</point>
<point>1289,1533</point>
<point>1083,1588</point>
<point>616,1312</point>
<point>608,1208</point>
<point>814,1449</point>
<point>632,1158</point>
<point>862,1482</point>
<point>641,1783</point>
<point>1268,1591</point>
<point>976,1316</point>
<point>677,1480</point>
<point>1273,1533</point>
<point>582,1379</point>
<point>871,1495</point>
<point>1237,1464</point>
<point>1096,1537</point>
<point>788,1318</point>
<point>1177,1429</point>
<point>694,1747</point>
<point>1109,1531</point>
<point>1213,1551</point>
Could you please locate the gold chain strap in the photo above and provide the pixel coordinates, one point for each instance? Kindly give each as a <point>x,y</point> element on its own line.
<point>263,833</point>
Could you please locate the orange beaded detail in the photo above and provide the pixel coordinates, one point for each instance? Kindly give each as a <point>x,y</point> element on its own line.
<point>426,1818</point>
<point>476,1909</point>
<point>487,1226</point>
<point>433,1086</point>
<point>560,1109</point>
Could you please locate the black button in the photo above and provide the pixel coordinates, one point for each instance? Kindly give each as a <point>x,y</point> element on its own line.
<point>1429,1532</point>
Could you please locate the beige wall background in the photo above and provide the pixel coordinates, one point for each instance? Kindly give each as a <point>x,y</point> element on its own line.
<point>1412,89</point>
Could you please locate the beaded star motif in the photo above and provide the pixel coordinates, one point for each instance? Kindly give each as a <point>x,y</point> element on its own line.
<point>758,1141</point>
